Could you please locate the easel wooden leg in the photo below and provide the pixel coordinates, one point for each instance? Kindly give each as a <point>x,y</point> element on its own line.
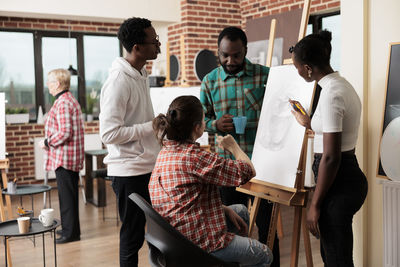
<point>4,218</point>
<point>279,227</point>
<point>272,225</point>
<point>306,237</point>
<point>253,213</point>
<point>294,259</point>
<point>8,199</point>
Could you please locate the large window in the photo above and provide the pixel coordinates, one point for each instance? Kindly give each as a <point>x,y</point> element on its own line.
<point>332,23</point>
<point>17,70</point>
<point>100,51</point>
<point>27,56</point>
<point>58,52</point>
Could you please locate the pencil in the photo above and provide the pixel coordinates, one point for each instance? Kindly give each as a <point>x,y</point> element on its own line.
<point>301,110</point>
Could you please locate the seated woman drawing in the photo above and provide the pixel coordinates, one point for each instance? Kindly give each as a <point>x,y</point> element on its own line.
<point>184,186</point>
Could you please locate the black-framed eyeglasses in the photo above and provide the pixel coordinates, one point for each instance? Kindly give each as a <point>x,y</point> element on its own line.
<point>155,42</point>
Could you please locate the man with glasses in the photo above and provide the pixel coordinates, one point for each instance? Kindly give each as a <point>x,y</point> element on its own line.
<point>126,115</point>
<point>237,88</point>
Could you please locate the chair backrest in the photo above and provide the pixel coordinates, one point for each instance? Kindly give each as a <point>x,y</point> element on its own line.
<point>175,248</point>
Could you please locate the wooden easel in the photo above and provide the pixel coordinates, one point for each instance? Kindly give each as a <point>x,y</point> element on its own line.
<point>4,164</point>
<point>184,80</point>
<point>297,196</point>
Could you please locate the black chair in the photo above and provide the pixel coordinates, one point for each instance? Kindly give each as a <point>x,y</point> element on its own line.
<point>168,247</point>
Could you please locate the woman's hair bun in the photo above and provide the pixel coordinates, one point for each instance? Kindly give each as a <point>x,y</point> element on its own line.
<point>325,35</point>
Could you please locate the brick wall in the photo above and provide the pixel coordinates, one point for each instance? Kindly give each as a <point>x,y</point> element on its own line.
<point>19,145</point>
<point>201,22</point>
<point>252,9</point>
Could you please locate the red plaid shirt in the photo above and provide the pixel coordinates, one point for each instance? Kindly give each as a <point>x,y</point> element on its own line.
<point>184,190</point>
<point>64,134</point>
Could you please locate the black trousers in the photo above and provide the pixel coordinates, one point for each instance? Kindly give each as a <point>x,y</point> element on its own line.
<point>131,235</point>
<point>230,196</point>
<point>344,198</point>
<point>67,184</point>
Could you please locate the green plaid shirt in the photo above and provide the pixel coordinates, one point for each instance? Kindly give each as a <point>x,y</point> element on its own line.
<point>239,95</point>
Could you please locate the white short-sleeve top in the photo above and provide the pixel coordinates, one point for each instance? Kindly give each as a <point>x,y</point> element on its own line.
<point>338,110</point>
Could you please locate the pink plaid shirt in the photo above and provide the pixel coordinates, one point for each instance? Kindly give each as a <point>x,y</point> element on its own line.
<point>184,190</point>
<point>64,134</point>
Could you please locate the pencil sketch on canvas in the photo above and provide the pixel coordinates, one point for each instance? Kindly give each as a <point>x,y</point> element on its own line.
<point>279,137</point>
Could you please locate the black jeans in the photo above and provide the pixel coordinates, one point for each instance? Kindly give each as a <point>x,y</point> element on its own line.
<point>230,196</point>
<point>343,199</point>
<point>67,185</point>
<point>131,235</point>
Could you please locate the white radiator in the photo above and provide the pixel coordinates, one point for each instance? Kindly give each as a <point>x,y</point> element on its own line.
<point>391,223</point>
<point>92,142</point>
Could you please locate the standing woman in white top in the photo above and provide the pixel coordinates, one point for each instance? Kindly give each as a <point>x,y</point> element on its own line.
<point>341,186</point>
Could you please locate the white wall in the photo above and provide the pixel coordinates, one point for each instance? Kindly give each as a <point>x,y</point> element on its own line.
<point>354,67</point>
<point>101,10</point>
<point>368,28</point>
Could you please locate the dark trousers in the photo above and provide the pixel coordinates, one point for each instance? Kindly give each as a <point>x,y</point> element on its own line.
<point>344,198</point>
<point>131,235</point>
<point>230,196</point>
<point>67,184</point>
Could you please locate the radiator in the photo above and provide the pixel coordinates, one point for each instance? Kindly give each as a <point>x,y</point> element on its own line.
<point>391,223</point>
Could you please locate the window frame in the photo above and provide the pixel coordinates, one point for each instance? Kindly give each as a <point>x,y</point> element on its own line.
<point>38,62</point>
<point>316,20</point>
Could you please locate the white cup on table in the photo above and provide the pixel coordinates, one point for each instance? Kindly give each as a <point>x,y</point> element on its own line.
<point>46,217</point>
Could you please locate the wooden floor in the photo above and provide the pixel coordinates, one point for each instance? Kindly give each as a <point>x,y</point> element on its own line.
<point>100,239</point>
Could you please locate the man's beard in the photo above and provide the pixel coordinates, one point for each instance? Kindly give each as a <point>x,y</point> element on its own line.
<point>234,70</point>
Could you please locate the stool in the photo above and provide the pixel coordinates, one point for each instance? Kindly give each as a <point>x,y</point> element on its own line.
<point>102,174</point>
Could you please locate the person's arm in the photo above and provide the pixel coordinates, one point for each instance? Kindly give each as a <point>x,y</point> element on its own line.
<point>64,121</point>
<point>228,142</point>
<point>113,105</point>
<point>210,168</point>
<point>327,171</point>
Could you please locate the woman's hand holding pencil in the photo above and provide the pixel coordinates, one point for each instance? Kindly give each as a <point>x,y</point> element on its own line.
<point>300,114</point>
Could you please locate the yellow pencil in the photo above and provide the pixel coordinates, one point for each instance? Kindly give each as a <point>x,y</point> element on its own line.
<point>302,112</point>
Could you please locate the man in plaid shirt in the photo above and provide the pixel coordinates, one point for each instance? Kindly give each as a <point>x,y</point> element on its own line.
<point>64,145</point>
<point>237,88</point>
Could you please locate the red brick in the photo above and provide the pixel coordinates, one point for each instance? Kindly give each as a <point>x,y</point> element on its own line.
<point>78,28</point>
<point>25,25</point>
<point>284,9</point>
<point>214,3</point>
<point>34,132</point>
<point>321,7</point>
<point>334,4</point>
<point>97,23</point>
<point>10,24</point>
<point>38,25</point>
<point>102,29</point>
<point>4,18</point>
<point>90,29</point>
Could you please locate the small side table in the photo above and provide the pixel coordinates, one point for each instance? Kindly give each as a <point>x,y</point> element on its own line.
<point>10,229</point>
<point>29,189</point>
<point>101,186</point>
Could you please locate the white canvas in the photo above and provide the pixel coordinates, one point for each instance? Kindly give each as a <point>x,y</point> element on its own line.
<point>279,137</point>
<point>162,97</point>
<point>2,126</point>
